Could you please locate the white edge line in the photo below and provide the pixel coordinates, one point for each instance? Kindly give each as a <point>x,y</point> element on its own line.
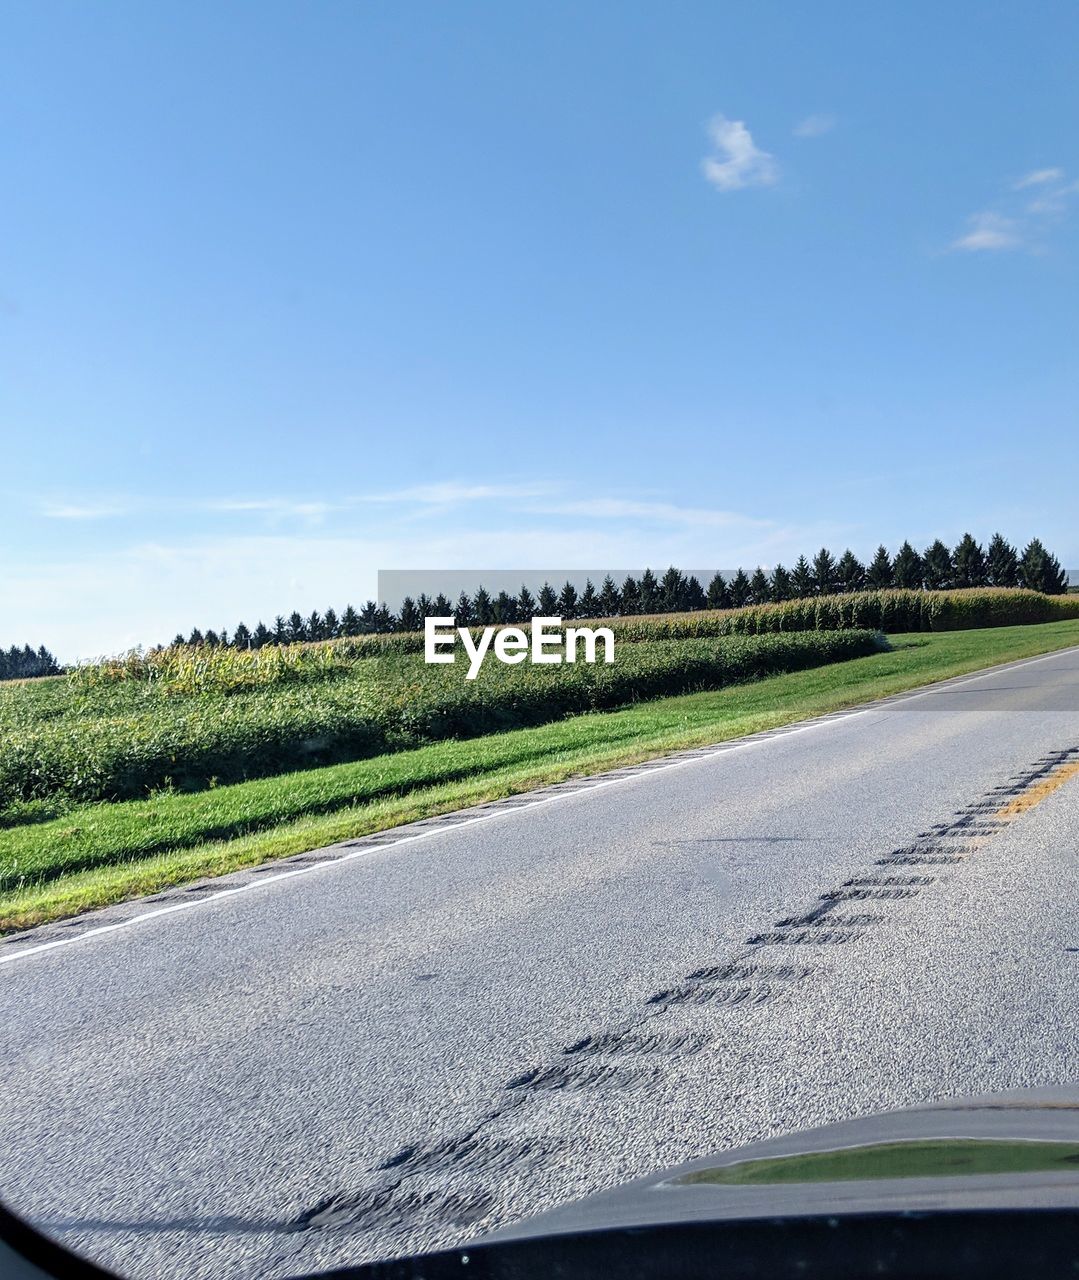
<point>721,748</point>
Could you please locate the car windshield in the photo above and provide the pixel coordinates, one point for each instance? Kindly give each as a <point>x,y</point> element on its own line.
<point>539,619</point>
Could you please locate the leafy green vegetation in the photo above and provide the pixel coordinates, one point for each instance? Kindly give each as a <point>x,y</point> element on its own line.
<point>101,853</point>
<point>191,718</point>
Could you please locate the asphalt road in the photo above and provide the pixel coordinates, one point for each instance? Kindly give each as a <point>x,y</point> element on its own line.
<point>406,1048</point>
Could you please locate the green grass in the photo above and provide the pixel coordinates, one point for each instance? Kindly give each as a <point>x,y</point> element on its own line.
<point>930,1158</point>
<point>102,853</point>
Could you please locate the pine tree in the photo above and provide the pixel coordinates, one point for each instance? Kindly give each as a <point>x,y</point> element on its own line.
<point>1040,571</point>
<point>567,601</point>
<point>717,595</point>
<point>368,617</point>
<point>780,587</point>
<point>694,596</point>
<point>547,602</point>
<point>760,589</point>
<point>178,638</point>
<point>631,597</point>
<point>462,610</point>
<point>241,637</point>
<point>648,592</point>
<point>331,628</point>
<point>196,638</point>
<point>609,601</point>
<point>672,589</point>
<point>1002,563</point>
<point>907,568</point>
<point>802,579</point>
<point>505,607</point>
<point>825,580</point>
<point>423,606</point>
<point>280,630</point>
<point>969,564</point>
<point>588,605</point>
<point>314,627</point>
<point>937,568</point>
<point>526,604</point>
<point>409,618</point>
<point>739,589</point>
<point>212,640</point>
<point>261,635</point>
<point>384,620</point>
<point>482,608</point>
<point>441,607</point>
<point>297,628</point>
<point>878,577</point>
<point>850,572</point>
<point>350,622</point>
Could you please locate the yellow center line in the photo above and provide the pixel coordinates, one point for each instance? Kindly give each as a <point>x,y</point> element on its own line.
<point>1037,793</point>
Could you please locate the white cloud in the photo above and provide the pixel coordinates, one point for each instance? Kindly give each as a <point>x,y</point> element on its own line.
<point>76,511</point>
<point>814,126</point>
<point>659,512</point>
<point>453,493</point>
<point>1037,178</point>
<point>271,506</point>
<point>989,231</point>
<point>739,162</point>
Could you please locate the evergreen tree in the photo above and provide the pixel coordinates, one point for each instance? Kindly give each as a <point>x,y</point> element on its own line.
<point>938,571</point>
<point>350,622</point>
<point>423,607</point>
<point>261,635</point>
<point>781,588</point>
<point>567,601</point>
<point>547,602</point>
<point>314,627</point>
<point>760,589</point>
<point>462,612</point>
<point>740,589</point>
<point>441,607</point>
<point>368,617</point>
<point>331,628</point>
<point>969,563</point>
<point>178,638</point>
<point>802,579</point>
<point>850,572</point>
<point>505,607</point>
<point>1040,571</point>
<point>825,580</point>
<point>1002,563</point>
<point>672,588</point>
<point>409,618</point>
<point>297,628</point>
<point>907,568</point>
<point>483,610</point>
<point>280,630</point>
<point>241,637</point>
<point>648,592</point>
<point>526,604</point>
<point>609,601</point>
<point>588,605</point>
<point>212,640</point>
<point>630,597</point>
<point>384,620</point>
<point>694,597</point>
<point>196,638</point>
<point>878,576</point>
<point>717,595</point>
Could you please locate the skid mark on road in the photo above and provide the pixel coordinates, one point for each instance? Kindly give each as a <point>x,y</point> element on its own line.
<point>410,1190</point>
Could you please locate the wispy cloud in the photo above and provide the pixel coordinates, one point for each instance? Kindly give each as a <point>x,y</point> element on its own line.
<point>1023,216</point>
<point>660,512</point>
<point>988,231</point>
<point>271,506</point>
<point>454,493</point>
<point>80,511</point>
<point>1038,178</point>
<point>814,126</point>
<point>738,161</point>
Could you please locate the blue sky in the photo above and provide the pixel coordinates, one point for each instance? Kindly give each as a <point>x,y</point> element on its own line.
<point>290,293</point>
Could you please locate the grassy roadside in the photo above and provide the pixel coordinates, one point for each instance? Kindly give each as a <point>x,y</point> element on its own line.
<point>103,853</point>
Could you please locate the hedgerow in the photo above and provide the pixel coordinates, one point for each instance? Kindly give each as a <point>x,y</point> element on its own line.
<point>109,739</point>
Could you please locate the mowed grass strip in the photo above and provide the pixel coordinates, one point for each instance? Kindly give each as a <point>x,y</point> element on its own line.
<point>149,845</point>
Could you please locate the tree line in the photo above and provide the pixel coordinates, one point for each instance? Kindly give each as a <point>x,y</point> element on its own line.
<point>937,568</point>
<point>22,664</point>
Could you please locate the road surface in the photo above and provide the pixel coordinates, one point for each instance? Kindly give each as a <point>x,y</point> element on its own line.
<point>410,1044</point>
